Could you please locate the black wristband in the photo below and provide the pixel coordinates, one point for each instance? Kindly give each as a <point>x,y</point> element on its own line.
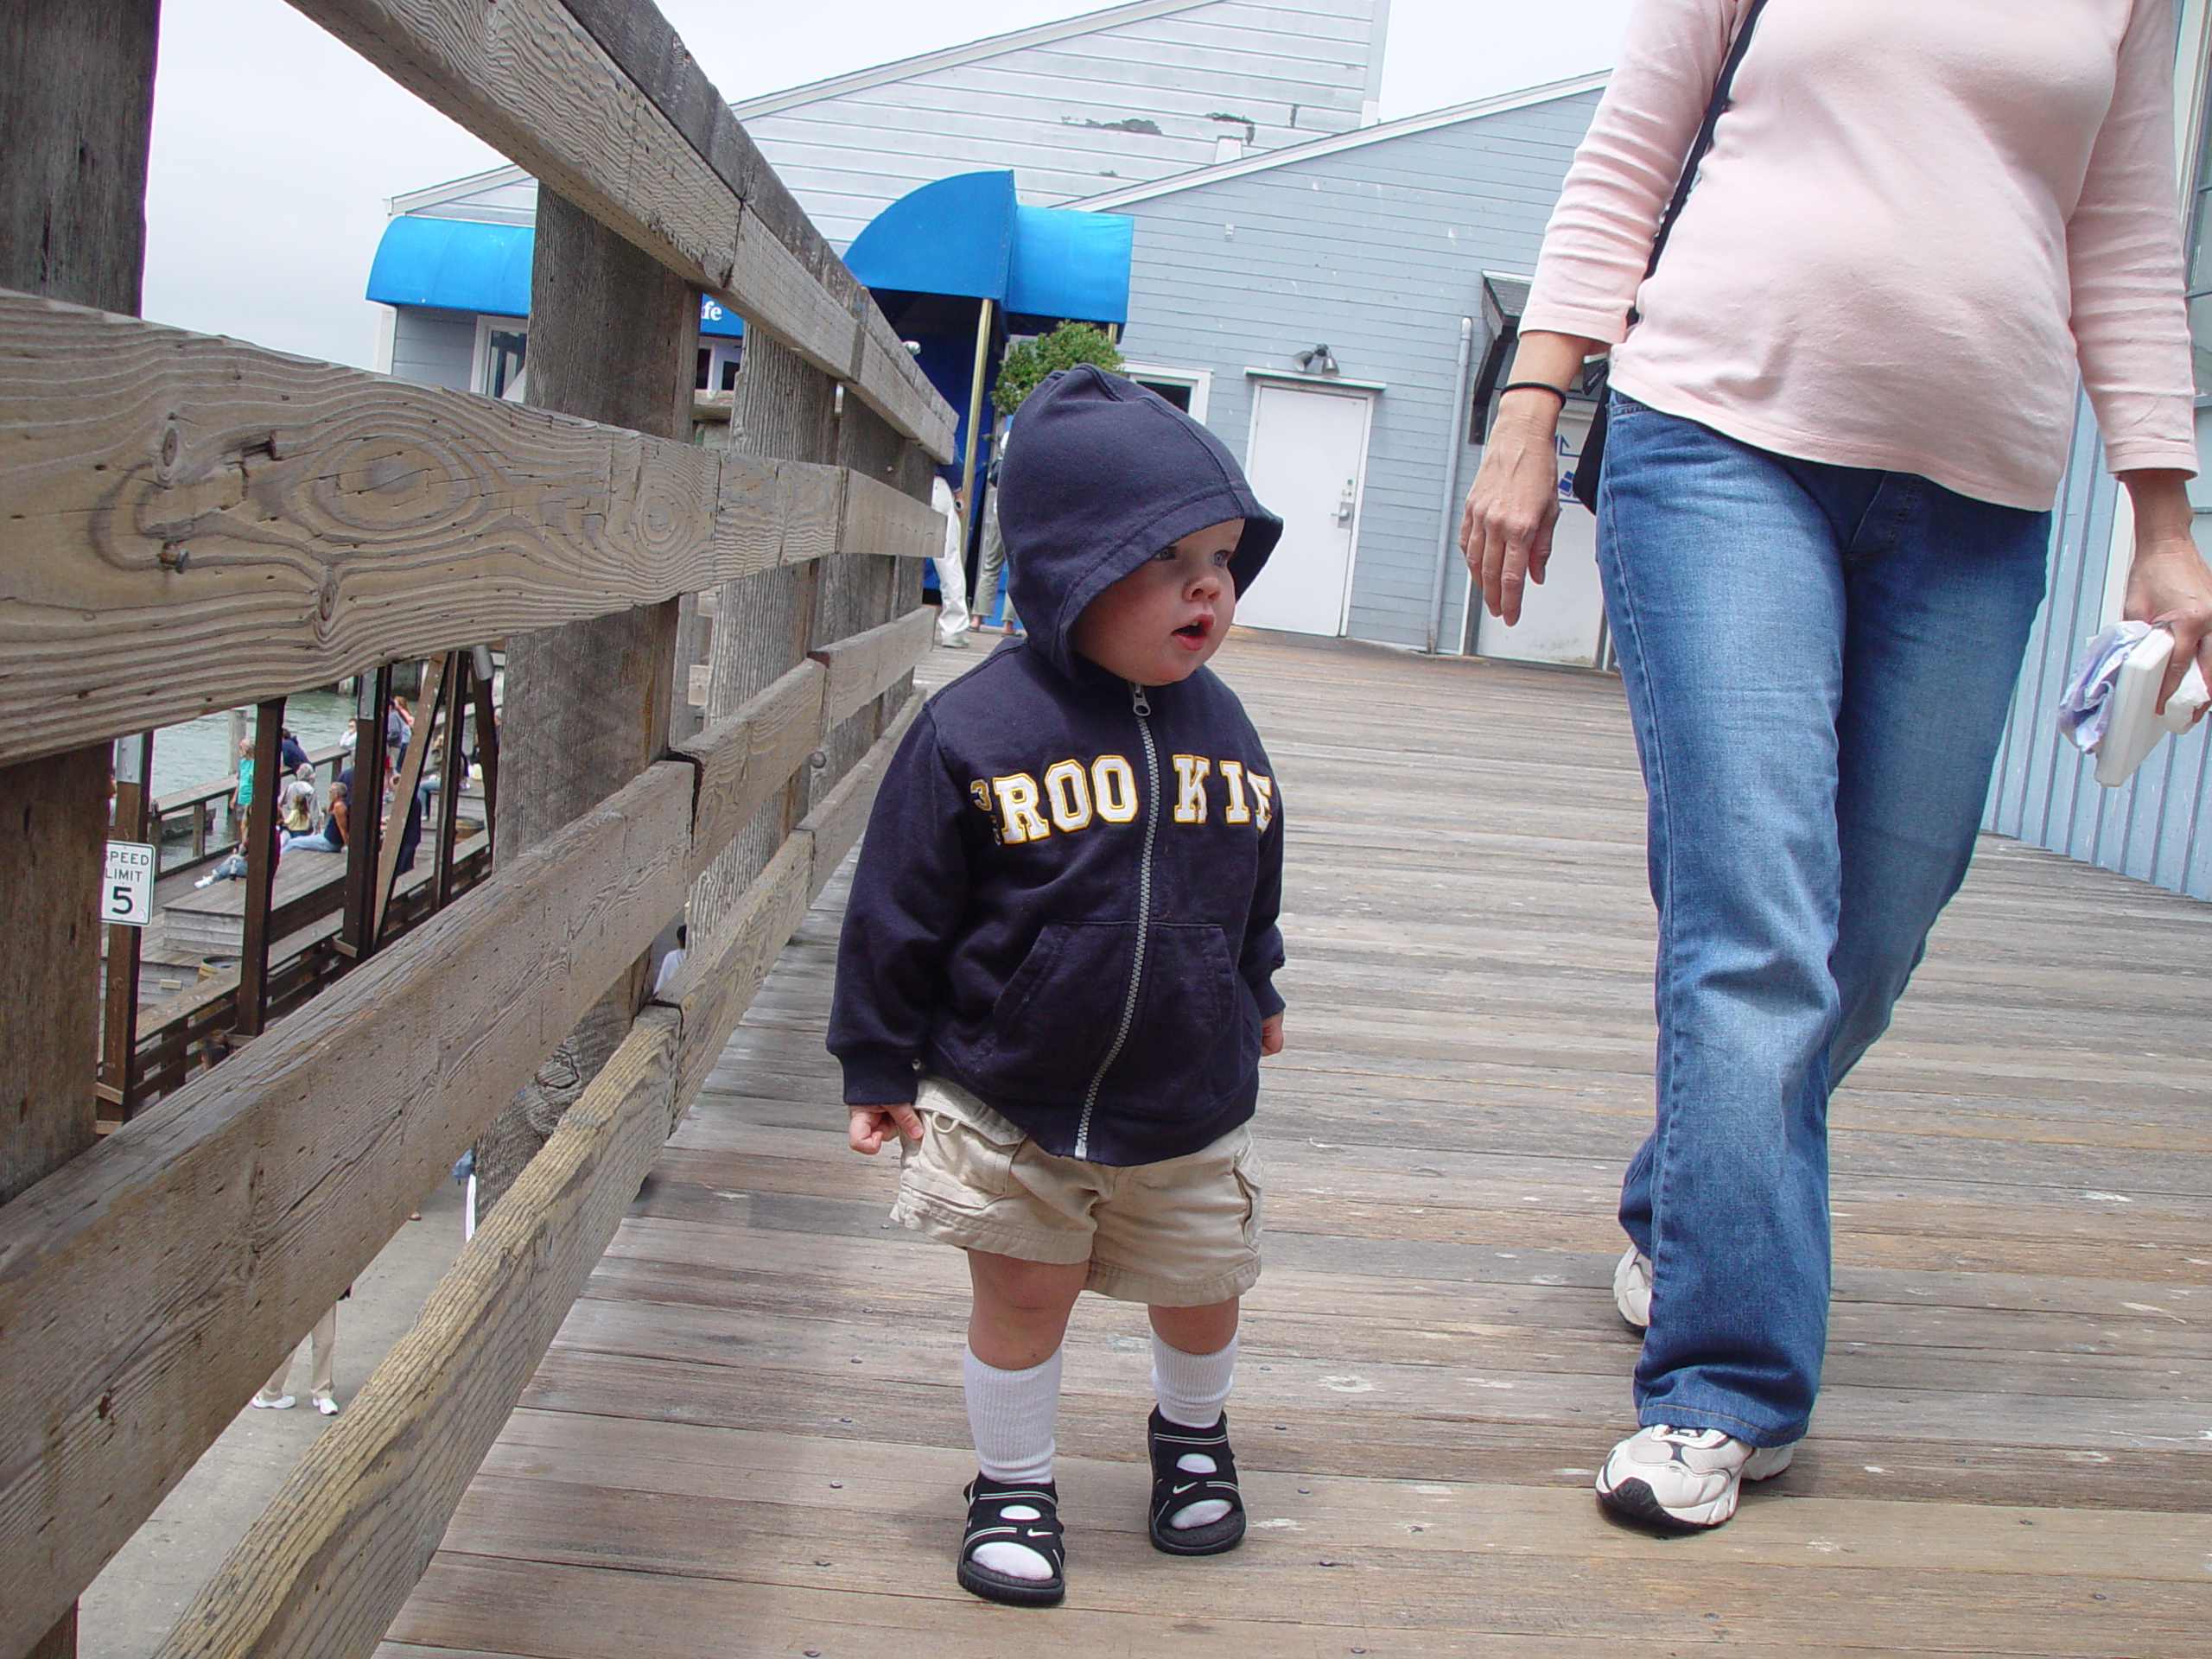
<point>1559,392</point>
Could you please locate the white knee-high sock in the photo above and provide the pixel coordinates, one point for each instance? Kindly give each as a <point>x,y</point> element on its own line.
<point>1010,1413</point>
<point>1192,1388</point>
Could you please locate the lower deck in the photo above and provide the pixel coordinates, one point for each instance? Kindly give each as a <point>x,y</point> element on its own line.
<point>749,1438</point>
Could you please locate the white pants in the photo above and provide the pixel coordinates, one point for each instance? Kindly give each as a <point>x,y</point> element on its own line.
<point>952,590</point>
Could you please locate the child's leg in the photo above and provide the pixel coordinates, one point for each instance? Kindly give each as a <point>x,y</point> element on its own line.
<point>1193,1364</point>
<point>1012,1377</point>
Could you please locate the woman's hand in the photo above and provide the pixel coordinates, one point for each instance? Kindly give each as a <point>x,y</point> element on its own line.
<point>1271,1034</point>
<point>868,1127</point>
<point>1506,531</point>
<point>2168,584</point>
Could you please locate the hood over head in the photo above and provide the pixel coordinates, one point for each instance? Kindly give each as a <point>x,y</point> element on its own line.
<point>1099,476</point>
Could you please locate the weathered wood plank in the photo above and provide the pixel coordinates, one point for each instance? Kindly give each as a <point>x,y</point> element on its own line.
<point>332,1558</point>
<point>147,1287</point>
<point>838,821</point>
<point>1432,1366</point>
<point>720,973</point>
<point>613,338</point>
<point>76,121</point>
<point>863,667</point>
<point>881,519</point>
<point>192,522</point>
<point>719,978</point>
<point>639,40</point>
<point>530,79</point>
<point>748,758</point>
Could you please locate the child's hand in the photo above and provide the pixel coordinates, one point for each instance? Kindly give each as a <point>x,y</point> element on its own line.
<point>1271,1034</point>
<point>869,1127</point>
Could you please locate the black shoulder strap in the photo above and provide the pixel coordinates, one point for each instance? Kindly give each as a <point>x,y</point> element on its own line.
<point>1704,139</point>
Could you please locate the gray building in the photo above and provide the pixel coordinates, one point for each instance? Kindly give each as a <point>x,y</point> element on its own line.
<point>1374,245</point>
<point>1301,278</point>
<point>2157,827</point>
<point>1133,93</point>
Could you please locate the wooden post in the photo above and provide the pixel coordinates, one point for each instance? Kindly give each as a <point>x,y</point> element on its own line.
<point>134,770</point>
<point>453,768</point>
<point>787,409</point>
<point>260,835</point>
<point>74,125</point>
<point>613,336</point>
<point>357,938</point>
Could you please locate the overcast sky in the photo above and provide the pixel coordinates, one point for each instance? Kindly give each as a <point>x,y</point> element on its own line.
<point>275,146</point>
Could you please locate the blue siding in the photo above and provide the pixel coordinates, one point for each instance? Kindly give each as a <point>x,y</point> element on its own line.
<point>2045,792</point>
<point>1378,252</point>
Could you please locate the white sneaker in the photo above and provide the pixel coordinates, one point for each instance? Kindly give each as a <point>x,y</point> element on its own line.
<point>326,1405</point>
<point>282,1402</point>
<point>1683,1479</point>
<point>1632,1288</point>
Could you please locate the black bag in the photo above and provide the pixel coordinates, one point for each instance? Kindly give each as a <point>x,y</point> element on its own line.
<point>1592,461</point>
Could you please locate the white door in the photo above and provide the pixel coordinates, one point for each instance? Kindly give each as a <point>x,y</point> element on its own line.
<point>1307,462</point>
<point>1562,621</point>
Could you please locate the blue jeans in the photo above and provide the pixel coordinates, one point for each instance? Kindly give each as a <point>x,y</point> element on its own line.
<point>1819,661</point>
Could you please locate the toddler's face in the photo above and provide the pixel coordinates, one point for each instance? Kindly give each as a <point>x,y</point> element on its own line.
<point>1161,622</point>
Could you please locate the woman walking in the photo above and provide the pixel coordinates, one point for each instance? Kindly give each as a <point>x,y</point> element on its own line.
<point>1841,406</point>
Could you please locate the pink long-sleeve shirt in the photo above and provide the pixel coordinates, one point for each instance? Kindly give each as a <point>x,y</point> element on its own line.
<point>1917,219</point>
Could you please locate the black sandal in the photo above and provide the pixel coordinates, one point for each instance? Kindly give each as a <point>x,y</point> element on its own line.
<point>988,1501</point>
<point>1174,1489</point>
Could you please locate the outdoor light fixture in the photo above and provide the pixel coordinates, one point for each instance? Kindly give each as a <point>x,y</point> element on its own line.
<point>1317,361</point>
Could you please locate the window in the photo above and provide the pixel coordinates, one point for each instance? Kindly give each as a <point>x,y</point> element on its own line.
<point>1189,390</point>
<point>501,345</point>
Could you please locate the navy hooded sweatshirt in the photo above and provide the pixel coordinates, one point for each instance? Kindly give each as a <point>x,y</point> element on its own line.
<point>1066,899</point>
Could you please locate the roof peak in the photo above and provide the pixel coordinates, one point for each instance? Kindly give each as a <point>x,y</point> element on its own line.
<point>1329,145</point>
<point>991,46</point>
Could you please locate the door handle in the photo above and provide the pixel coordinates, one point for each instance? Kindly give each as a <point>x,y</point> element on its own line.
<point>1347,500</point>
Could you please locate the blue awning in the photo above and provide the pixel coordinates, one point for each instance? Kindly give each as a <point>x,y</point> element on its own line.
<point>464,264</point>
<point>966,236</point>
<point>458,264</point>
<point>1068,264</point>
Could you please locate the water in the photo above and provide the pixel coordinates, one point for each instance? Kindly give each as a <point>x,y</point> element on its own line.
<point>198,751</point>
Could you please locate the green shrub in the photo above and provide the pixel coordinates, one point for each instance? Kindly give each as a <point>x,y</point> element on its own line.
<point>1031,360</point>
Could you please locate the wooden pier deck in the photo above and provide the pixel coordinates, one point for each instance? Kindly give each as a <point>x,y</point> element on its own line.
<point>748,1437</point>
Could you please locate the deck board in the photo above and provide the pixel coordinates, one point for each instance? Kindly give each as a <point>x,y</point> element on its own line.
<point>749,1435</point>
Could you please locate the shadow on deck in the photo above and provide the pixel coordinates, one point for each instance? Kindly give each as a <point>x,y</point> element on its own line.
<point>749,1436</point>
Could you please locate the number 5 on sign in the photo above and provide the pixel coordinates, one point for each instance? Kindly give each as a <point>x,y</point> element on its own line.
<point>127,894</point>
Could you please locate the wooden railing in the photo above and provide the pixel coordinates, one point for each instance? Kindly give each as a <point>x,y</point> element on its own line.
<point>191,524</point>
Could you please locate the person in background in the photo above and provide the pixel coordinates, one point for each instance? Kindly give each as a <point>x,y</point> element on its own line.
<point>242,796</point>
<point>331,838</point>
<point>952,564</point>
<point>986,578</point>
<point>1842,403</point>
<point>398,728</point>
<point>297,802</point>
<point>323,1348</point>
<point>292,752</point>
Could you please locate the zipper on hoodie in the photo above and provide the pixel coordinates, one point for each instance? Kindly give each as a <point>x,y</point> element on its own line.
<point>1141,708</point>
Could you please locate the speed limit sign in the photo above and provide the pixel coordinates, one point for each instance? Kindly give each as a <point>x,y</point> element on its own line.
<point>127,894</point>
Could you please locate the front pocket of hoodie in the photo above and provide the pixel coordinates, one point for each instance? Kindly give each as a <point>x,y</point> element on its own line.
<point>1054,1022</point>
<point>1184,1012</point>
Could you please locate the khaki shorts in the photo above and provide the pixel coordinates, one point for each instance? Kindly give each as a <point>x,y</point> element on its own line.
<point>1183,1232</point>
